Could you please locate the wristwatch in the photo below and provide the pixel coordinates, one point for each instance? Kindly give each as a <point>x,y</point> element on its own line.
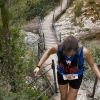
<point>38,66</point>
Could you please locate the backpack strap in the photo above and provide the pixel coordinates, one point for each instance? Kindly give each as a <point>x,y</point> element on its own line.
<point>79,53</point>
<point>59,53</point>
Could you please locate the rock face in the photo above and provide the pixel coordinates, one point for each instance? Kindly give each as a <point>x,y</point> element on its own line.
<point>30,38</point>
<point>32,26</point>
<point>86,26</point>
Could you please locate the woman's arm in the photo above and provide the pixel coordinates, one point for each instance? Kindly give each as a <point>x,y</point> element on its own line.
<point>45,56</point>
<point>90,61</point>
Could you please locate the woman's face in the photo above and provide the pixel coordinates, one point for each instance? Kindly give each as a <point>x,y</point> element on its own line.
<point>71,53</point>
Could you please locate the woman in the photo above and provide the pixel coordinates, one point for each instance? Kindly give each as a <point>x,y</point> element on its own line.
<point>70,67</point>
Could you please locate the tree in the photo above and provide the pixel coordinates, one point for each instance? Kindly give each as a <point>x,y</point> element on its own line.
<point>6,38</point>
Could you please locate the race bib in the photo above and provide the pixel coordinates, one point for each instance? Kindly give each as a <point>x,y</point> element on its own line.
<point>70,77</point>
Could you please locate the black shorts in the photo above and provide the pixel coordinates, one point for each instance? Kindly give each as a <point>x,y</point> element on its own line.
<point>75,84</point>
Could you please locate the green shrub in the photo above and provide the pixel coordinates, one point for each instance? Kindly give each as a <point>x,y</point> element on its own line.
<point>22,67</point>
<point>23,10</point>
<point>78,7</point>
<point>39,8</point>
<point>95,50</point>
<point>24,94</point>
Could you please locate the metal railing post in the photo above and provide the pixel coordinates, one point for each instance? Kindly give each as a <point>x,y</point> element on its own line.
<point>54,16</point>
<point>38,52</point>
<point>61,4</point>
<point>60,36</point>
<point>94,87</point>
<point>44,42</point>
<point>54,74</point>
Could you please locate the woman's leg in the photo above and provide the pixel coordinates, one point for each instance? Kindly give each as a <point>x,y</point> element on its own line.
<point>63,91</point>
<point>72,95</point>
<point>74,86</point>
<point>63,86</point>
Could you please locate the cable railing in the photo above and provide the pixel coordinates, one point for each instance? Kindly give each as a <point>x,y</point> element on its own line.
<point>51,87</point>
<point>93,88</point>
<point>39,44</point>
<point>42,84</point>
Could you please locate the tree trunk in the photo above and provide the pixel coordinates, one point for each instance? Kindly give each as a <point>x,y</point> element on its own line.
<point>8,58</point>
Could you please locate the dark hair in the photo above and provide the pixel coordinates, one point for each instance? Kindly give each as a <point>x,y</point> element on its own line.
<point>69,44</point>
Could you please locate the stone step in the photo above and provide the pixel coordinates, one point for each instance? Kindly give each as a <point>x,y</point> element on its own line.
<point>50,36</point>
<point>56,97</point>
<point>81,96</point>
<point>48,40</point>
<point>52,42</point>
<point>49,46</point>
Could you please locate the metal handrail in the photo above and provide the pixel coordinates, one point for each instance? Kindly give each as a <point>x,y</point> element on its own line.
<point>47,64</point>
<point>52,86</point>
<point>36,41</point>
<point>42,94</point>
<point>42,74</point>
<point>94,85</point>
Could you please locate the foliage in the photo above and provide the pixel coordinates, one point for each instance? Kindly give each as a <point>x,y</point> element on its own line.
<point>26,94</point>
<point>23,10</point>
<point>95,50</point>
<point>39,8</point>
<point>78,7</point>
<point>2,2</point>
<point>91,1</point>
<point>71,3</point>
<point>24,63</point>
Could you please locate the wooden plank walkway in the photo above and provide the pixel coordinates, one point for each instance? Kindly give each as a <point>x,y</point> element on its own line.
<point>50,40</point>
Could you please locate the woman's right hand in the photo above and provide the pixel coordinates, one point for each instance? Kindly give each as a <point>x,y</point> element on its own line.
<point>36,71</point>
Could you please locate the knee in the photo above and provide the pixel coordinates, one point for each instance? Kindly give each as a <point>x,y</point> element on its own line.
<point>72,95</point>
<point>63,97</point>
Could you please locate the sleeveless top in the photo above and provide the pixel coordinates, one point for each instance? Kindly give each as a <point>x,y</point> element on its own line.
<point>70,65</point>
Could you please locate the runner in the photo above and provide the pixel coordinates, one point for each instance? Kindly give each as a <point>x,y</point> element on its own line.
<point>70,66</point>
